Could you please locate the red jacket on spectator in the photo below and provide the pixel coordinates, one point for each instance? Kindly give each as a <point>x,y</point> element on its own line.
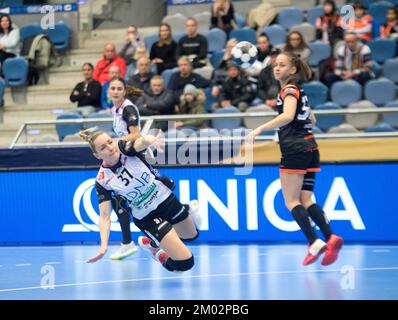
<point>102,68</point>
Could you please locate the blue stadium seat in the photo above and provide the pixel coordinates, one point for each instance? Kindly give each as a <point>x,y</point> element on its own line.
<point>378,10</point>
<point>313,13</point>
<point>209,99</point>
<point>149,40</point>
<point>346,92</point>
<point>30,30</point>
<point>240,20</point>
<point>64,130</point>
<point>390,69</point>
<point>375,28</point>
<point>380,127</point>
<point>2,88</point>
<point>15,71</point>
<point>382,49</point>
<point>216,39</point>
<point>103,126</point>
<point>231,123</point>
<point>326,122</point>
<point>166,75</point>
<point>316,130</point>
<point>59,36</point>
<point>216,58</point>
<point>319,51</point>
<point>177,36</point>
<point>316,91</point>
<point>380,91</point>
<point>244,34</point>
<point>276,34</point>
<point>391,118</point>
<point>289,17</point>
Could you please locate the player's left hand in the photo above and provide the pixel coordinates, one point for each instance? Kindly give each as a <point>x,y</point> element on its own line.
<point>97,257</point>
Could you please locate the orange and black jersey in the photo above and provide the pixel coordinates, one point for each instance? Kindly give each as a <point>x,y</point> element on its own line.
<point>297,135</point>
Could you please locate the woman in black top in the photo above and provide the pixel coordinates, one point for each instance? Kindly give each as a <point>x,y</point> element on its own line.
<point>163,52</point>
<point>223,16</point>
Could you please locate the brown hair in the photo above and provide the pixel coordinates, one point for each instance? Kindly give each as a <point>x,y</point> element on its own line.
<point>130,90</point>
<point>169,39</point>
<point>90,135</point>
<point>304,71</point>
<point>303,43</point>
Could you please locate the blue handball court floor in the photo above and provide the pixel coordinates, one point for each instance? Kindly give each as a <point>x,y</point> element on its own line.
<point>228,272</point>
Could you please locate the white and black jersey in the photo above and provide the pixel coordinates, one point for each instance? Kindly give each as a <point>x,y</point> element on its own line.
<point>133,178</point>
<point>125,116</point>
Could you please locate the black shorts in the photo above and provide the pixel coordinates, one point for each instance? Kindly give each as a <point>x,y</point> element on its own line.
<point>160,221</point>
<point>302,162</point>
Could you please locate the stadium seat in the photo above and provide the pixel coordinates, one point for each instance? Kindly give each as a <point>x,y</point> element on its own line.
<point>203,19</point>
<point>316,130</point>
<point>216,40</point>
<point>344,128</point>
<point>362,121</point>
<point>289,17</point>
<point>103,126</point>
<point>240,20</point>
<point>209,99</point>
<point>380,91</point>
<point>59,36</point>
<point>390,69</point>
<point>228,123</point>
<point>375,28</point>
<point>176,22</point>
<point>378,10</point>
<point>177,36</point>
<point>325,122</point>
<point>2,87</point>
<point>313,13</point>
<point>216,58</point>
<point>303,4</point>
<point>306,29</point>
<point>367,3</point>
<point>346,92</point>
<point>68,129</point>
<point>319,52</point>
<point>276,34</point>
<point>382,49</point>
<point>244,34</point>
<point>30,30</point>
<point>254,122</point>
<point>15,71</point>
<point>166,75</point>
<point>316,91</point>
<point>391,118</point>
<point>380,127</point>
<point>150,40</point>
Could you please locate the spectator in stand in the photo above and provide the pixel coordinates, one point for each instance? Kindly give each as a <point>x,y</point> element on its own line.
<point>163,51</point>
<point>361,25</point>
<point>193,45</point>
<point>192,102</point>
<point>157,101</point>
<point>142,79</point>
<point>220,73</point>
<point>268,87</point>
<point>132,41</point>
<point>10,44</point>
<point>328,27</point>
<point>263,59</point>
<point>390,29</point>
<point>106,101</point>
<point>109,59</point>
<point>236,90</point>
<point>185,76</point>
<point>295,43</point>
<point>353,62</point>
<point>87,93</point>
<point>223,16</point>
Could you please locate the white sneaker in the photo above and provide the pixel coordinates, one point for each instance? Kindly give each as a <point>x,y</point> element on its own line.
<point>145,244</point>
<point>195,213</point>
<point>124,251</point>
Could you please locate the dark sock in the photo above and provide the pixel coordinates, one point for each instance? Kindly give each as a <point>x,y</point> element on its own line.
<point>124,220</point>
<point>319,217</point>
<point>303,219</point>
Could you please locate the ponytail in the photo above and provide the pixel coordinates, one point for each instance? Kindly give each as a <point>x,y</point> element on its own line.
<point>89,135</point>
<point>304,71</point>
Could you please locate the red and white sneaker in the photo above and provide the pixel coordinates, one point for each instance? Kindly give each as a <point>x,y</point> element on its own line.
<point>145,244</point>
<point>314,251</point>
<point>334,245</point>
<point>161,256</point>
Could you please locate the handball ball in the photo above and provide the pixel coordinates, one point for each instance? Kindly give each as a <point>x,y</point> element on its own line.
<point>244,54</point>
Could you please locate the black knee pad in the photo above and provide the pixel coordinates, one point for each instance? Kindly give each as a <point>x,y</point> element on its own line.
<point>179,265</point>
<point>119,204</point>
<point>192,239</point>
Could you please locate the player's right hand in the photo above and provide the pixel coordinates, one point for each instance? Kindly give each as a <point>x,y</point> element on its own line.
<point>97,257</point>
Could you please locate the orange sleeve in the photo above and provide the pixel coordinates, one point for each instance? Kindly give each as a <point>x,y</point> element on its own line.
<point>290,90</point>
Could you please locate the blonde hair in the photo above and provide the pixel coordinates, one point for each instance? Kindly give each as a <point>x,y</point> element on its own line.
<point>304,71</point>
<point>90,135</point>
